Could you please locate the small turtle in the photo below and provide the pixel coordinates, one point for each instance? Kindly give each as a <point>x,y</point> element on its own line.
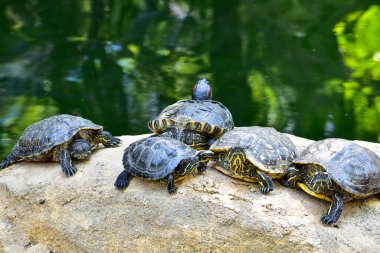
<point>59,138</point>
<point>197,122</point>
<point>161,158</point>
<point>335,170</point>
<point>254,154</point>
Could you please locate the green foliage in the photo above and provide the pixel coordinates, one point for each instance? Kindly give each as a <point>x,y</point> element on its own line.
<point>359,42</point>
<point>274,63</point>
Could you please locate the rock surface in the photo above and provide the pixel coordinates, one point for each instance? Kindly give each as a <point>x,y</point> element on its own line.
<point>41,210</point>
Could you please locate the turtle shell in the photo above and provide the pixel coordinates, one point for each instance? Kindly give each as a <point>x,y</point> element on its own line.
<point>207,116</point>
<point>155,157</point>
<point>267,149</point>
<point>354,168</point>
<point>48,133</point>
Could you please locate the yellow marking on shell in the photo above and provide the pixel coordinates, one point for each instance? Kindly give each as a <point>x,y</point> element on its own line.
<point>317,195</point>
<point>151,126</point>
<point>167,123</point>
<point>212,129</point>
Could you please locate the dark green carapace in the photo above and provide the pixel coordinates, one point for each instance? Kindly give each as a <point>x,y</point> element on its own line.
<point>335,170</point>
<point>59,138</point>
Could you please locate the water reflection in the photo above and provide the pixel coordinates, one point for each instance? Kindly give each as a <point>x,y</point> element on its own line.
<point>311,69</point>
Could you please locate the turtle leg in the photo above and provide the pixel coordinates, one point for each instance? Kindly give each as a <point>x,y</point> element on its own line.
<point>201,168</point>
<point>321,183</point>
<point>65,161</point>
<point>171,187</point>
<point>335,209</point>
<point>8,161</point>
<point>264,180</point>
<point>122,180</point>
<point>106,139</point>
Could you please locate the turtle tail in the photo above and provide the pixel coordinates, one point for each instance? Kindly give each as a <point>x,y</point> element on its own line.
<point>8,161</point>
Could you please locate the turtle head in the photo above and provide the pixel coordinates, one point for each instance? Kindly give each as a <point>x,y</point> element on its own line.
<point>205,156</point>
<point>80,149</point>
<point>189,165</point>
<point>236,157</point>
<point>291,178</point>
<point>202,90</point>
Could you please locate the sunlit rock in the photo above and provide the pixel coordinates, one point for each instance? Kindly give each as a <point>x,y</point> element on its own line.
<point>42,211</point>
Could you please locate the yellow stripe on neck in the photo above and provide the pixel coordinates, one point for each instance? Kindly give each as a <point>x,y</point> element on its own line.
<point>308,191</point>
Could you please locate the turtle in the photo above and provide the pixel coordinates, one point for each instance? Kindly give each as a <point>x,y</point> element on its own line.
<point>198,122</point>
<point>254,154</point>
<point>59,138</point>
<point>161,158</point>
<point>335,170</point>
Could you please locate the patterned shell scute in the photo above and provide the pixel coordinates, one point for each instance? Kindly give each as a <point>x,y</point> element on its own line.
<point>155,157</point>
<point>50,132</point>
<point>207,111</point>
<point>266,148</point>
<point>353,167</point>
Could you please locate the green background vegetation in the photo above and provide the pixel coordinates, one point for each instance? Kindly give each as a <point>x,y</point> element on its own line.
<point>311,68</point>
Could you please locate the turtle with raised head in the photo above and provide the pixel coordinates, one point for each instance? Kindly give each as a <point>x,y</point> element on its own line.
<point>59,138</point>
<point>254,154</point>
<point>197,122</point>
<point>337,171</point>
<point>161,158</point>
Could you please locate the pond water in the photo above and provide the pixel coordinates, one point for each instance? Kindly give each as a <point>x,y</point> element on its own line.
<point>307,68</point>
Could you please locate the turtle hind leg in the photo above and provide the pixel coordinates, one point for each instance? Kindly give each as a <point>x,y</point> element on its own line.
<point>171,187</point>
<point>106,139</point>
<point>334,211</point>
<point>65,161</point>
<point>122,180</point>
<point>8,161</point>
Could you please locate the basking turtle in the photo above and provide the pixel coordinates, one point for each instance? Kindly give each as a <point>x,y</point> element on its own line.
<point>196,122</point>
<point>335,170</point>
<point>163,159</point>
<point>59,138</point>
<point>254,154</point>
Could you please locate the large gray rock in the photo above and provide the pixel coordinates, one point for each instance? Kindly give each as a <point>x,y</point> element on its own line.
<point>44,211</point>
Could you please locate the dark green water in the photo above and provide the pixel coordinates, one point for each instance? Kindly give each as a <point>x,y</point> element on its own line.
<point>311,68</point>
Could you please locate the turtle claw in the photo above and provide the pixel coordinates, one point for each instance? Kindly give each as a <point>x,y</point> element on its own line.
<point>328,219</point>
<point>122,180</point>
<point>120,185</point>
<point>266,189</point>
<point>173,189</point>
<point>69,170</point>
<point>201,168</point>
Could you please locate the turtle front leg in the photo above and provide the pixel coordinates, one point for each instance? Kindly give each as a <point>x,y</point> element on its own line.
<point>65,161</point>
<point>335,209</point>
<point>8,161</point>
<point>171,187</point>
<point>264,180</point>
<point>201,168</point>
<point>106,139</point>
<point>122,180</point>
